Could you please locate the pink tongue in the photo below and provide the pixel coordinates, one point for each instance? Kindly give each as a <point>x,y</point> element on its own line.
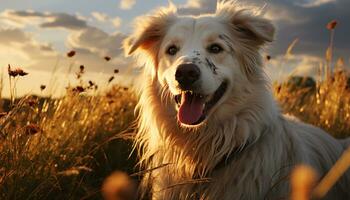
<point>191,109</point>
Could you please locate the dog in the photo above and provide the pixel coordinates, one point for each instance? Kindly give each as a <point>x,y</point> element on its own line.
<point>209,127</point>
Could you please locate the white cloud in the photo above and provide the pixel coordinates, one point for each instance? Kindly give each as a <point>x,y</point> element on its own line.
<point>117,21</point>
<point>315,3</point>
<point>97,41</point>
<point>20,19</point>
<point>281,67</point>
<point>44,19</point>
<point>101,17</point>
<point>195,7</point>
<point>283,14</point>
<point>127,4</point>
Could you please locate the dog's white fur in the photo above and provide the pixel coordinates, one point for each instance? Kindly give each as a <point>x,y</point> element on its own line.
<point>246,122</point>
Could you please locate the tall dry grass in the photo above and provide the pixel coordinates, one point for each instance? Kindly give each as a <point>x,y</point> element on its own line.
<point>62,148</point>
<point>324,100</point>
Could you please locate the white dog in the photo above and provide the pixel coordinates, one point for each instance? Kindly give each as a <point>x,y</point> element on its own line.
<point>209,127</point>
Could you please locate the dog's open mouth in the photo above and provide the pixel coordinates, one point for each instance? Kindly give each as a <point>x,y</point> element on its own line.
<point>194,107</point>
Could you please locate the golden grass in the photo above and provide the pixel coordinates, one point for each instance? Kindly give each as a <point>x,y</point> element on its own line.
<point>47,148</point>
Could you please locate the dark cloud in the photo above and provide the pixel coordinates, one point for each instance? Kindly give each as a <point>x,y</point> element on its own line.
<point>311,26</point>
<point>98,41</point>
<point>11,36</point>
<point>45,20</point>
<point>63,20</point>
<point>26,13</point>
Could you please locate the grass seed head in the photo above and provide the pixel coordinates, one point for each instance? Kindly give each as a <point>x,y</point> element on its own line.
<point>42,87</point>
<point>107,58</point>
<point>82,67</point>
<point>71,54</point>
<point>111,79</point>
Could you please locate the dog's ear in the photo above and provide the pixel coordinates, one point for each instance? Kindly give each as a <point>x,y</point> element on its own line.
<point>254,28</point>
<point>246,24</point>
<point>149,31</point>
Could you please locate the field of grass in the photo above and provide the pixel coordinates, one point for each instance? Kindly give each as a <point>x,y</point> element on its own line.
<point>65,148</point>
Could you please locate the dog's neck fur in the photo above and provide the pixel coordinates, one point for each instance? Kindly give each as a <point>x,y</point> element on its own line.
<point>192,155</point>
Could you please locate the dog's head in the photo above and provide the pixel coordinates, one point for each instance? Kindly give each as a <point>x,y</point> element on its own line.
<point>204,61</point>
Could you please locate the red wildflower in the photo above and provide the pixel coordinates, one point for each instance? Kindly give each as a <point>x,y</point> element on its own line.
<point>332,24</point>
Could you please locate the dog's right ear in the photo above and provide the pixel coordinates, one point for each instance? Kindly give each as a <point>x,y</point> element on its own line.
<point>149,31</point>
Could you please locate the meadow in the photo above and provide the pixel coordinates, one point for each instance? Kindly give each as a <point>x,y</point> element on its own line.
<point>65,148</point>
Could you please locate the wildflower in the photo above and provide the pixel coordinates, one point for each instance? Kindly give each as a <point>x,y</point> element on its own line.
<point>12,73</point>
<point>268,57</point>
<point>111,79</point>
<point>116,71</point>
<point>91,83</point>
<point>16,72</point>
<point>70,54</point>
<point>332,24</point>
<point>107,58</point>
<point>42,87</point>
<point>32,129</point>
<point>79,89</point>
<point>20,72</point>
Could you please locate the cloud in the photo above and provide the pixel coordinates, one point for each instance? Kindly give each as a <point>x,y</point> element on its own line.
<point>104,18</point>
<point>315,3</point>
<point>97,41</point>
<point>20,19</point>
<point>63,20</point>
<point>11,36</point>
<point>281,67</point>
<point>19,48</point>
<point>195,7</point>
<point>308,23</point>
<point>24,18</point>
<point>127,4</point>
<point>117,21</point>
<point>101,17</point>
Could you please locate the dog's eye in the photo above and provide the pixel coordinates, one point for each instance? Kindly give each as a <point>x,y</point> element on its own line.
<point>215,49</point>
<point>172,50</point>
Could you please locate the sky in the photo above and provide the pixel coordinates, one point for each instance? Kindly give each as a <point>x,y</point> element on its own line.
<point>36,35</point>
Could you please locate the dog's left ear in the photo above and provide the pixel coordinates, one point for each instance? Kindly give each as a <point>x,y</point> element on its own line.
<point>149,31</point>
<point>245,24</point>
<point>253,28</point>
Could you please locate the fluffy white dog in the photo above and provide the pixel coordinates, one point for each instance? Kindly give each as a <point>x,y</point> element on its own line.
<point>209,127</point>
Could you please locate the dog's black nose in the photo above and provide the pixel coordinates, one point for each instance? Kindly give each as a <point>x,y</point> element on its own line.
<point>186,75</point>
